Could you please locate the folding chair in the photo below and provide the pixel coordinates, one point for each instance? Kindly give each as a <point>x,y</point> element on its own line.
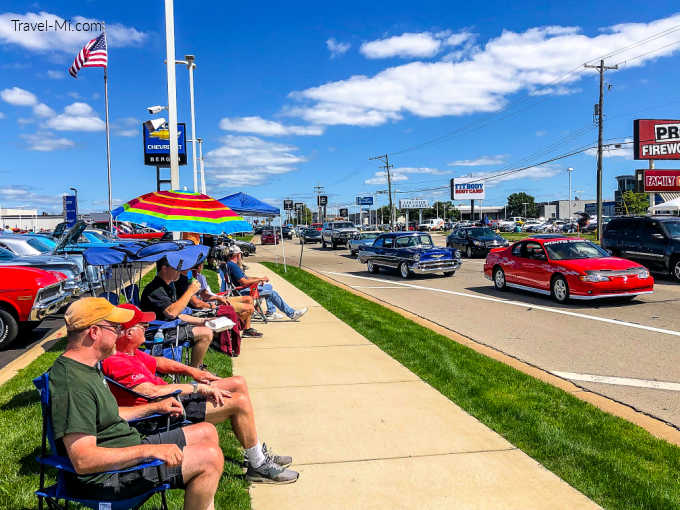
<point>111,297</point>
<point>53,494</point>
<point>230,289</point>
<point>131,294</point>
<point>174,350</point>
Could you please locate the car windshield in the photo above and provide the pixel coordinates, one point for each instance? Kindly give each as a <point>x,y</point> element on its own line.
<point>42,245</point>
<point>672,228</point>
<point>343,225</point>
<point>6,254</point>
<point>371,235</point>
<point>20,248</point>
<point>482,233</point>
<point>96,236</point>
<point>570,250</point>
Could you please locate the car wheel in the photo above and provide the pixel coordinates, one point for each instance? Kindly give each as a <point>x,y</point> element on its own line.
<point>372,268</point>
<point>333,245</point>
<point>676,270</point>
<point>468,252</point>
<point>499,279</point>
<point>559,289</point>
<point>352,253</point>
<point>403,270</point>
<point>9,329</point>
<point>449,273</point>
<point>323,244</point>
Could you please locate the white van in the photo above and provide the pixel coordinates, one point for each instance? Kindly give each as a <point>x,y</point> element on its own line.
<point>432,224</point>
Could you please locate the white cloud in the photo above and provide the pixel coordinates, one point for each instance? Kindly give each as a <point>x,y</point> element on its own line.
<point>18,97</point>
<point>625,151</point>
<point>2,115</point>
<point>77,117</point>
<point>125,126</point>
<point>249,160</point>
<point>46,142</point>
<point>402,173</point>
<point>127,132</point>
<point>406,45</point>
<point>539,172</point>
<point>481,161</point>
<point>24,195</point>
<point>531,61</point>
<point>337,48</point>
<point>264,127</point>
<point>62,39</point>
<point>42,110</point>
<point>56,75</point>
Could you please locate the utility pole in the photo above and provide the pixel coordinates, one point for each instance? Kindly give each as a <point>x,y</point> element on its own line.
<point>318,190</point>
<point>569,171</point>
<point>387,167</point>
<point>600,121</point>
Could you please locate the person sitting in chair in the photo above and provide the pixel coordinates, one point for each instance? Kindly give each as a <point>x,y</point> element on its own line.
<point>273,300</point>
<point>208,398</point>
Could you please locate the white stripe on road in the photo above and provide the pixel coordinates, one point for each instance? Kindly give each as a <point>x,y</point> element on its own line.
<point>518,303</point>
<point>619,381</point>
<point>372,287</point>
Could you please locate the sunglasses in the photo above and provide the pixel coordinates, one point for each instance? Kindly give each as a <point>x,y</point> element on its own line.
<point>115,329</point>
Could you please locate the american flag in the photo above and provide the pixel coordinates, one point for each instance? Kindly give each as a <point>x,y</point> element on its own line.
<point>93,54</point>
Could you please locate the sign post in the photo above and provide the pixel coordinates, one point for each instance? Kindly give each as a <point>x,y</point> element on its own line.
<point>70,210</point>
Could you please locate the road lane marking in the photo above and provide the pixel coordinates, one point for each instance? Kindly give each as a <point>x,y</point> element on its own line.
<point>618,381</point>
<point>518,303</point>
<point>372,287</point>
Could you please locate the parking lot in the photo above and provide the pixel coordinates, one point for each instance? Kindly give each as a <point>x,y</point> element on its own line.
<point>624,350</point>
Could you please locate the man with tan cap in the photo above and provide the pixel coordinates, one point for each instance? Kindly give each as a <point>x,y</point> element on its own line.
<point>92,431</point>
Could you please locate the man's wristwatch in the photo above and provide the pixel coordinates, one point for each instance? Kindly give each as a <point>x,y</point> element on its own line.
<point>195,385</point>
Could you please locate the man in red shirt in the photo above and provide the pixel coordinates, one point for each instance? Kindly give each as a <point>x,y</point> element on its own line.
<point>208,398</point>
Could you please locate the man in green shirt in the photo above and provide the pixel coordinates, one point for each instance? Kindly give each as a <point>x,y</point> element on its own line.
<point>92,430</point>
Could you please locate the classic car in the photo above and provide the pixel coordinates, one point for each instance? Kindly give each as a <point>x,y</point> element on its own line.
<point>409,252</point>
<point>474,241</point>
<point>566,268</point>
<point>310,235</point>
<point>270,236</point>
<point>362,239</point>
<point>130,232</point>
<point>27,296</point>
<point>337,233</point>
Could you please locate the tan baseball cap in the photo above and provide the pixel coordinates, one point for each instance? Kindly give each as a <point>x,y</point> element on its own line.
<point>89,310</point>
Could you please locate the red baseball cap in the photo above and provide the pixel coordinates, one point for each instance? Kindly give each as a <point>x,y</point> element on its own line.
<point>138,317</point>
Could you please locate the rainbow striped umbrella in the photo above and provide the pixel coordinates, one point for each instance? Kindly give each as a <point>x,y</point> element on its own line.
<point>181,211</point>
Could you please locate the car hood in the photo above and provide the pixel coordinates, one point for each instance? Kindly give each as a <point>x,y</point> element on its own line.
<point>603,264</point>
<point>431,253</point>
<point>70,236</point>
<point>45,262</point>
<point>353,230</point>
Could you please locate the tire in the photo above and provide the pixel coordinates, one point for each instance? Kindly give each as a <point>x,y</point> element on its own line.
<point>675,270</point>
<point>559,290</point>
<point>334,245</point>
<point>404,271</point>
<point>468,252</point>
<point>9,328</point>
<point>352,253</point>
<point>499,279</point>
<point>449,273</point>
<point>323,244</point>
<point>372,268</point>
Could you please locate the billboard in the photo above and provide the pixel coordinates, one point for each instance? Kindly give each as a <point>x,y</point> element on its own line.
<point>364,200</point>
<point>660,180</point>
<point>322,200</point>
<point>157,146</point>
<point>344,212</point>
<point>287,205</point>
<point>656,139</point>
<point>467,188</point>
<point>408,203</point>
<point>70,210</point>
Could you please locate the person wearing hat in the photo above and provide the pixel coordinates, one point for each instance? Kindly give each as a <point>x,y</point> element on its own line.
<point>92,430</point>
<point>273,300</point>
<point>208,398</point>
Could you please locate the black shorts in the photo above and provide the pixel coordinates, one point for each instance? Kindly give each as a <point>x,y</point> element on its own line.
<point>133,483</point>
<point>194,407</point>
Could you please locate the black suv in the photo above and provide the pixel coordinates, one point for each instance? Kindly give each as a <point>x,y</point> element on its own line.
<point>474,241</point>
<point>650,240</point>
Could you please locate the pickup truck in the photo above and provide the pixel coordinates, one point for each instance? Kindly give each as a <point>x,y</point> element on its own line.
<point>410,253</point>
<point>27,296</point>
<point>337,233</point>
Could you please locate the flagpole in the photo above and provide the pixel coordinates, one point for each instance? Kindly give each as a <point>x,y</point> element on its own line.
<point>108,142</point>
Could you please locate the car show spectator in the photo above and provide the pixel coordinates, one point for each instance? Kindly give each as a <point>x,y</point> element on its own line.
<point>272,298</point>
<point>160,297</point>
<point>208,398</point>
<point>92,430</point>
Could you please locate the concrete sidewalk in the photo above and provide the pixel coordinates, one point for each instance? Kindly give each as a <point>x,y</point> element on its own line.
<point>366,433</point>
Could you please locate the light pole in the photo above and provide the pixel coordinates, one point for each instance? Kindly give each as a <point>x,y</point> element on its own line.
<point>172,95</point>
<point>569,171</point>
<point>190,62</point>
<point>200,158</point>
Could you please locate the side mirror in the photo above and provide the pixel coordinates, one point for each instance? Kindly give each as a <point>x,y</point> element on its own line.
<point>658,236</point>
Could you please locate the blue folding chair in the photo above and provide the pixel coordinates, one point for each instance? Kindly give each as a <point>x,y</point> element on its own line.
<point>131,294</point>
<point>53,494</point>
<point>111,297</point>
<point>174,350</point>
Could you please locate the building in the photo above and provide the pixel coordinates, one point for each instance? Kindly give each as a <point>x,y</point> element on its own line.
<point>559,209</point>
<point>28,219</point>
<point>608,208</point>
<point>493,212</point>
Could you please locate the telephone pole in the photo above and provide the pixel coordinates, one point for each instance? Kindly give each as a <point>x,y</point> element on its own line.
<point>600,121</point>
<point>318,190</point>
<point>384,158</point>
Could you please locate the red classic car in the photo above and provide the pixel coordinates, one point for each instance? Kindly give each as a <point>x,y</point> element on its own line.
<point>27,296</point>
<point>270,237</point>
<point>566,268</point>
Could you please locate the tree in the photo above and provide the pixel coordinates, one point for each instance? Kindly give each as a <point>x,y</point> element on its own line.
<point>635,203</point>
<point>305,216</point>
<point>517,203</point>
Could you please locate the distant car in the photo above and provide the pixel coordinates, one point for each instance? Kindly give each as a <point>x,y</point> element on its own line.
<point>359,240</point>
<point>128,231</point>
<point>74,283</point>
<point>337,233</point>
<point>317,226</point>
<point>431,224</point>
<point>474,241</point>
<point>310,235</point>
<point>287,232</point>
<point>566,268</point>
<point>270,236</point>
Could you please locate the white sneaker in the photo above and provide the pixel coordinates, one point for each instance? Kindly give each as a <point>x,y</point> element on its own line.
<point>299,313</point>
<point>275,316</point>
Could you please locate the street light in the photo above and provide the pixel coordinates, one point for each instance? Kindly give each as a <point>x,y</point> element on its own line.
<point>190,62</point>
<point>200,157</point>
<point>569,171</point>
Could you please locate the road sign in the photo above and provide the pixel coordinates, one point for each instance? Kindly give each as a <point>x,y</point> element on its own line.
<point>364,200</point>
<point>157,146</point>
<point>70,210</point>
<point>408,203</point>
<point>322,200</point>
<point>287,205</point>
<point>299,206</point>
<point>344,212</point>
<point>656,139</point>
<point>467,188</point>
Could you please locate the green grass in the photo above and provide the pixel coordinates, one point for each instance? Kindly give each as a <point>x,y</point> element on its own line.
<point>516,236</point>
<point>21,428</point>
<point>247,238</point>
<point>610,460</point>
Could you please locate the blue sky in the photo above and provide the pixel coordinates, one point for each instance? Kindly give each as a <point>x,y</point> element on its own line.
<point>290,96</point>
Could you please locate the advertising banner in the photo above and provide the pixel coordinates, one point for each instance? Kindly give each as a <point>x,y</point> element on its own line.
<point>467,188</point>
<point>70,210</point>
<point>364,200</point>
<point>344,212</point>
<point>287,205</point>
<point>157,146</point>
<point>661,180</point>
<point>656,139</point>
<point>408,203</point>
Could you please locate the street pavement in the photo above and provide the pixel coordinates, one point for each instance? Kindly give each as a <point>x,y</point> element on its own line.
<point>626,351</point>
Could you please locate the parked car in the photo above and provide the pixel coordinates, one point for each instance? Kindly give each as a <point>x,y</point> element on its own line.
<point>650,240</point>
<point>287,232</point>
<point>361,239</point>
<point>337,233</point>
<point>27,296</point>
<point>128,231</point>
<point>431,224</point>
<point>566,268</point>
<point>474,241</point>
<point>409,252</point>
<point>310,235</point>
<point>317,226</point>
<point>270,236</point>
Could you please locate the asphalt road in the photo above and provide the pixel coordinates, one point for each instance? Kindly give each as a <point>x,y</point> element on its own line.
<point>624,350</point>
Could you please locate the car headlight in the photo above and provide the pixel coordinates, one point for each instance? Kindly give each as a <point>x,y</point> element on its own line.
<point>594,277</point>
<point>476,243</point>
<point>643,274</point>
<point>416,257</point>
<point>456,254</point>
